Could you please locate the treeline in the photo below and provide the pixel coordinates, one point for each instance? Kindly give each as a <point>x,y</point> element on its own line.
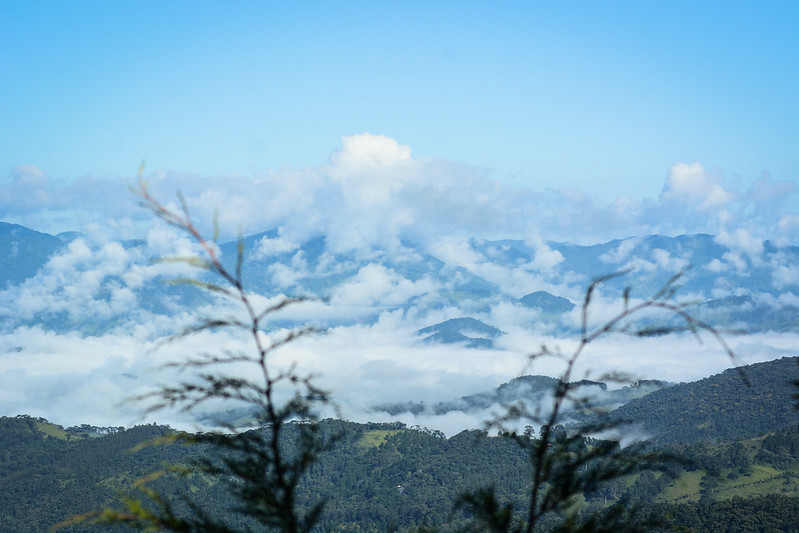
<point>378,477</point>
<point>759,514</point>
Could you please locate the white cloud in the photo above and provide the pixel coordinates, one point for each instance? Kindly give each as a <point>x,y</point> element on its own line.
<point>786,276</point>
<point>741,240</point>
<point>376,285</point>
<point>267,247</point>
<point>666,262</point>
<point>788,230</point>
<point>287,276</point>
<point>60,376</point>
<point>692,184</point>
<point>789,298</point>
<point>374,193</point>
<point>621,252</point>
<point>456,251</point>
<point>365,152</point>
<point>545,258</point>
<point>28,190</point>
<point>717,266</point>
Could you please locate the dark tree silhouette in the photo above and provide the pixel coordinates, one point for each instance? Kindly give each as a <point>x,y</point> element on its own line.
<point>260,462</point>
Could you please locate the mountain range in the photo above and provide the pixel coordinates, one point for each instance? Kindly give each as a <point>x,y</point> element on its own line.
<point>753,288</point>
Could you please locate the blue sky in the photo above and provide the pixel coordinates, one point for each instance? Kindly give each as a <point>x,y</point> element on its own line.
<point>602,97</point>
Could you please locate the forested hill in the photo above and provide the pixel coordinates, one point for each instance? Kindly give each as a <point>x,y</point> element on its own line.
<point>380,477</point>
<point>721,408</point>
<point>47,473</point>
<point>383,476</point>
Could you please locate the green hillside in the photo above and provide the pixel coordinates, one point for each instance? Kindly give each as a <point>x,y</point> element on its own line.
<point>47,473</point>
<point>380,477</point>
<point>736,404</point>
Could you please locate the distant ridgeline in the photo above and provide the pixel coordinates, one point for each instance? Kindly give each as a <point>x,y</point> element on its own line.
<point>533,390</point>
<point>760,298</point>
<point>741,445</point>
<point>24,251</point>
<point>720,408</point>
<point>469,331</point>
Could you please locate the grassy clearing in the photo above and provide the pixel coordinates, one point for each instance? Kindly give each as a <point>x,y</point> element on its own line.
<point>763,480</point>
<point>683,489</point>
<point>51,431</point>
<point>376,437</point>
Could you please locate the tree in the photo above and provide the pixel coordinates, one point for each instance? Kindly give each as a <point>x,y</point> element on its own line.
<point>261,462</point>
<point>566,464</point>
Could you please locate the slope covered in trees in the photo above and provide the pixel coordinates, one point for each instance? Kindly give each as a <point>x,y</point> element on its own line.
<point>379,477</point>
<point>383,476</point>
<point>760,514</point>
<point>47,474</point>
<point>721,407</point>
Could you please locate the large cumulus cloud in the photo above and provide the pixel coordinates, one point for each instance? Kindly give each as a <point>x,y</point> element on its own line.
<point>372,192</point>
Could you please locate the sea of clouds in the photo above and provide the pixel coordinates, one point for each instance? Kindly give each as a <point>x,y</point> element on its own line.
<point>371,198</point>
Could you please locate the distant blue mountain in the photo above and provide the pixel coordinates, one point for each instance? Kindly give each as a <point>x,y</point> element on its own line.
<point>733,290</point>
<point>470,331</point>
<point>546,302</point>
<point>532,389</point>
<point>23,252</point>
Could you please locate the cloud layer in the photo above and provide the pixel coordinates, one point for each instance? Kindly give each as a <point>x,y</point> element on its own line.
<point>372,192</point>
<point>371,201</point>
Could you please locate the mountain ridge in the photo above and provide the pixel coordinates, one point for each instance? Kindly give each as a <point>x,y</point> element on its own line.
<point>733,288</point>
